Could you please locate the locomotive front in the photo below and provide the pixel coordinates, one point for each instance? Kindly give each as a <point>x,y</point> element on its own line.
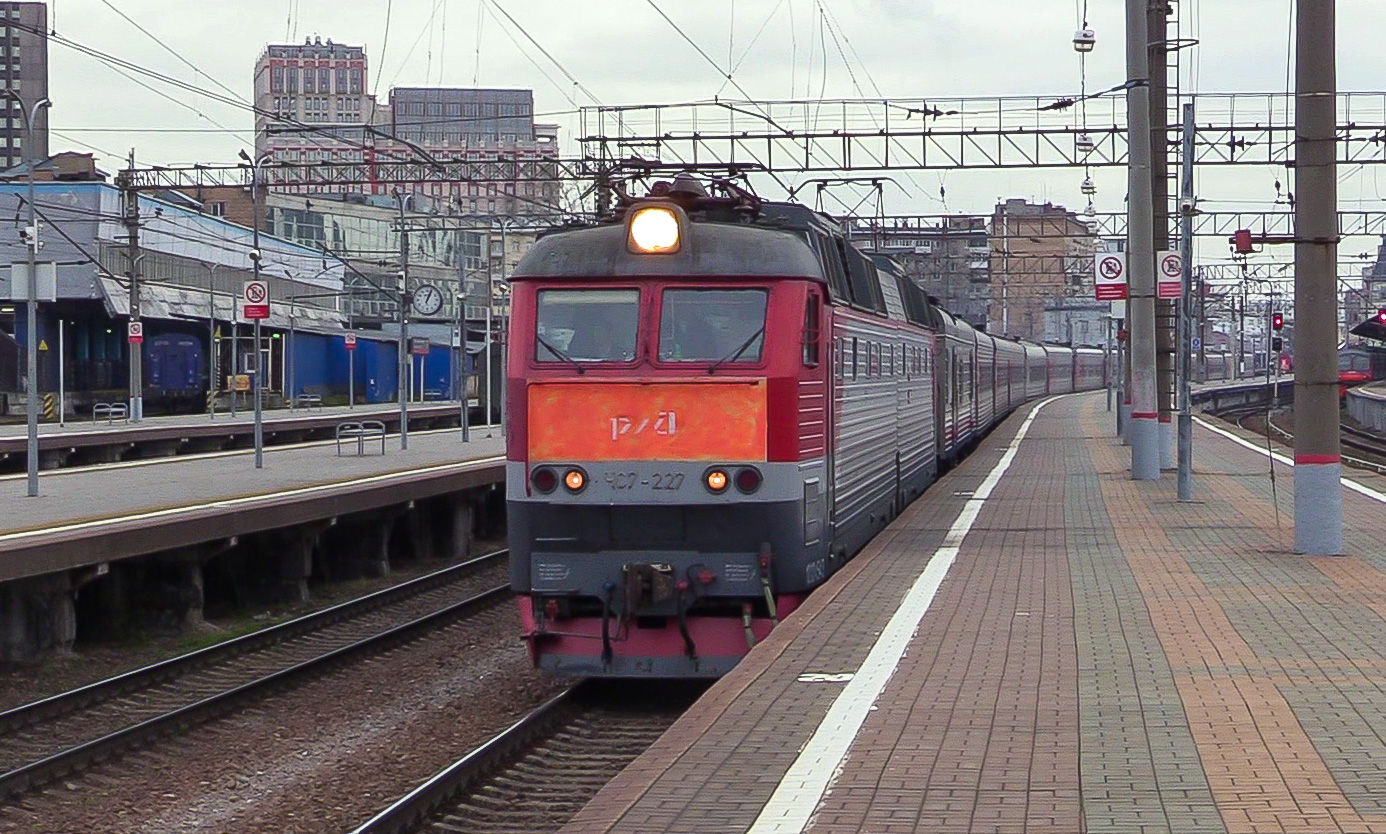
<point>657,466</point>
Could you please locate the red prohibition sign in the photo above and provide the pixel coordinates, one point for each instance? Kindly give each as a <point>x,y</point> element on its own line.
<point>1110,267</point>
<point>255,292</point>
<point>1171,266</point>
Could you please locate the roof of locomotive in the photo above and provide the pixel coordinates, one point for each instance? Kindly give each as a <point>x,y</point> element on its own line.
<point>716,243</point>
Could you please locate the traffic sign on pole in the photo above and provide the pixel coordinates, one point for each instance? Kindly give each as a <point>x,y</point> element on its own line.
<point>255,295</point>
<point>135,332</point>
<point>1109,270</point>
<point>1170,275</point>
<point>350,340</point>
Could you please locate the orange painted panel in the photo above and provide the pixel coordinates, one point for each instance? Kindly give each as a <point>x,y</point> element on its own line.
<point>647,421</point>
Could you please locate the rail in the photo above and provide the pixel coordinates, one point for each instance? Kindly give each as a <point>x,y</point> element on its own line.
<point>110,411</point>
<point>361,431</point>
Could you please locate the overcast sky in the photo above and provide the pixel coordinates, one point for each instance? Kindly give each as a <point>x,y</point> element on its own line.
<point>623,52</point>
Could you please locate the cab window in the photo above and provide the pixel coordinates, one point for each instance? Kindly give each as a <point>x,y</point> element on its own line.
<point>712,325</point>
<point>586,325</point>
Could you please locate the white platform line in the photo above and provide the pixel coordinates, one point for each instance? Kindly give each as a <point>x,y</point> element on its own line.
<point>1279,458</point>
<point>796,799</point>
<point>228,503</point>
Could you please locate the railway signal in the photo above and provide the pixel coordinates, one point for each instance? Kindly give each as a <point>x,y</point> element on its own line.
<point>1381,316</point>
<point>1277,321</point>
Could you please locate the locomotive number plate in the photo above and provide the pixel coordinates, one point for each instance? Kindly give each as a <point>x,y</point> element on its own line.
<point>631,481</point>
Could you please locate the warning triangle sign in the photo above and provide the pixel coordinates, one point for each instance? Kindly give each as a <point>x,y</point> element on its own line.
<point>43,344</point>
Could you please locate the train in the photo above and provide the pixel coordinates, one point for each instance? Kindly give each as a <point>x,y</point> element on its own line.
<point>715,401</point>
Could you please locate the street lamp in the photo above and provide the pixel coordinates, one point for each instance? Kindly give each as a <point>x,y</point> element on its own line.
<point>256,371</point>
<point>31,305</point>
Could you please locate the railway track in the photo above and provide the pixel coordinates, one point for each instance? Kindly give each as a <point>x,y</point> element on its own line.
<point>50,738</point>
<point>1369,450</point>
<point>537,774</point>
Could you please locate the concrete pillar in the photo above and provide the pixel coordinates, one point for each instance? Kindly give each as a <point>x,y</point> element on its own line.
<point>37,617</point>
<point>460,542</point>
<point>296,563</point>
<point>421,538</point>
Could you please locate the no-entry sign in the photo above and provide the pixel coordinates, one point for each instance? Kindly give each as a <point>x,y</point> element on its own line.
<point>1109,271</point>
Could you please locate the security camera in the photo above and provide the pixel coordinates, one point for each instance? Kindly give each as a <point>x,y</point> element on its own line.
<point>1188,205</point>
<point>255,254</point>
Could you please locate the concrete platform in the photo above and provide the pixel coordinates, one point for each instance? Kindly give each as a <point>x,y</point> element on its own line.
<point>95,514</point>
<point>1040,644</point>
<point>88,441</point>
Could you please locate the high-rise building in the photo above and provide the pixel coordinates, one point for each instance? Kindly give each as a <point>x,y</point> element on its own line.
<point>322,113</point>
<point>24,53</point>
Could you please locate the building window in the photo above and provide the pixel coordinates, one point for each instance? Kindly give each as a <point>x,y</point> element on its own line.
<point>216,209</point>
<point>342,80</point>
<point>277,79</point>
<point>308,85</point>
<point>324,80</point>
<point>356,80</point>
<point>291,80</point>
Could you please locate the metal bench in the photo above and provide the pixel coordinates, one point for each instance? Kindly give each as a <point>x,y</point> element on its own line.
<point>361,431</point>
<point>307,401</point>
<point>111,411</point>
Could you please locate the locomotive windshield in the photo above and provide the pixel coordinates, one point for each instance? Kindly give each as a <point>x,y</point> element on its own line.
<point>712,325</point>
<point>587,325</point>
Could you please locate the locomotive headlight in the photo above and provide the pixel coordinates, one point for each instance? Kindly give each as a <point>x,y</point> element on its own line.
<point>655,230</point>
<point>543,479</point>
<point>716,480</point>
<point>575,480</point>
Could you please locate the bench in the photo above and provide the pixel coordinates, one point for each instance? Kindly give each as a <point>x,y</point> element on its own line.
<point>111,411</point>
<point>307,401</point>
<point>361,431</point>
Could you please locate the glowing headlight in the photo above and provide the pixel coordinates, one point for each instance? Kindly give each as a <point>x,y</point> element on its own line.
<point>575,479</point>
<point>654,229</point>
<point>716,480</point>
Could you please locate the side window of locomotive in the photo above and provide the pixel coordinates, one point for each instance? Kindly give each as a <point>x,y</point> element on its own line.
<point>811,330</point>
<point>712,325</point>
<point>586,325</point>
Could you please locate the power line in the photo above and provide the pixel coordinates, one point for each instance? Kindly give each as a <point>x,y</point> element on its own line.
<point>170,50</point>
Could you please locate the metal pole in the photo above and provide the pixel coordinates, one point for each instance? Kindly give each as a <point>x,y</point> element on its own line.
<point>351,354</point>
<point>257,378</point>
<point>31,307</point>
<point>460,353</point>
<point>132,227</point>
<point>235,325</point>
<point>62,381</point>
<point>1166,309</point>
<point>290,375</point>
<point>504,329</point>
<point>1184,342</point>
<point>1145,425</point>
<point>490,300</point>
<point>404,300</point>
<point>1107,361</point>
<point>212,341</point>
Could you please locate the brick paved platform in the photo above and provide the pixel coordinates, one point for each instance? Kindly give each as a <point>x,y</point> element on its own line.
<point>1097,658</point>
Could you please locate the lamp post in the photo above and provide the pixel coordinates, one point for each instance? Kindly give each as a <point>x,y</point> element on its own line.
<point>257,381</point>
<point>31,305</point>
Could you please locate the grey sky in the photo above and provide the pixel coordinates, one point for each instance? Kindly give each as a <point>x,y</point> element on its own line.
<point>623,52</point>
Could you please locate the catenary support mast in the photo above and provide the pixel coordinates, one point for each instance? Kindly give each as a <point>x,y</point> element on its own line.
<point>1318,465</point>
<point>1144,427</point>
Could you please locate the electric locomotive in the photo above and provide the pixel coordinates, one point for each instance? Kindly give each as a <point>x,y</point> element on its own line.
<point>714,402</point>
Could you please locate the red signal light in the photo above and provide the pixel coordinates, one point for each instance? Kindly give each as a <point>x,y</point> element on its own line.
<point>1381,316</point>
<point>1277,320</point>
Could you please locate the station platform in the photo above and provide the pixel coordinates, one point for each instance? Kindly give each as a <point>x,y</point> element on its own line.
<point>89,515</point>
<point>1040,644</point>
<point>103,441</point>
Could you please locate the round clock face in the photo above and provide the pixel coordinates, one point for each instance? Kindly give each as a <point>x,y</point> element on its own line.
<point>428,300</point>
